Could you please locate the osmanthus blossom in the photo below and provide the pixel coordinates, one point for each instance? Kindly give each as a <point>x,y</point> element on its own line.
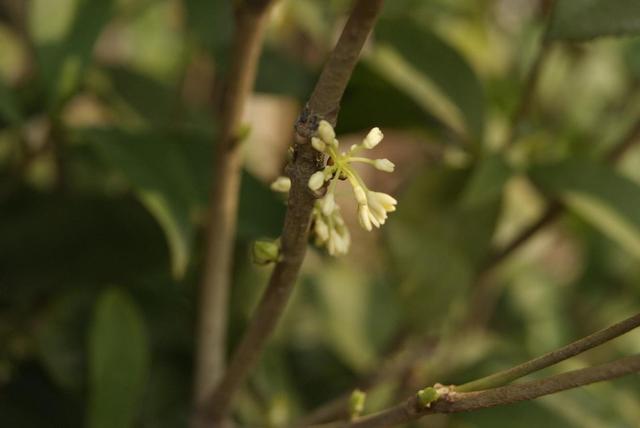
<point>373,207</point>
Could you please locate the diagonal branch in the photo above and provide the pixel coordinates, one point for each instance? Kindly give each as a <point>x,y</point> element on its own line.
<point>456,402</point>
<point>554,357</point>
<point>323,104</point>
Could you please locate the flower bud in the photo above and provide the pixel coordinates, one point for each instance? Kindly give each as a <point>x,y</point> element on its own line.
<point>384,165</point>
<point>316,180</point>
<point>281,184</point>
<point>356,403</point>
<point>328,204</point>
<point>326,132</point>
<point>321,229</point>
<point>361,197</point>
<point>363,217</point>
<point>373,138</point>
<point>427,396</point>
<point>318,144</point>
<point>265,252</point>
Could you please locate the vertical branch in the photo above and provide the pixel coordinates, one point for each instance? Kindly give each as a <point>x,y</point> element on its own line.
<point>251,18</point>
<point>323,104</point>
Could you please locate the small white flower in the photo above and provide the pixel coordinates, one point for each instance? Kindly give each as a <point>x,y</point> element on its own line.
<point>387,201</point>
<point>361,197</point>
<point>373,138</point>
<point>321,229</point>
<point>318,144</point>
<point>281,184</point>
<point>328,204</point>
<point>373,207</point>
<point>316,180</point>
<point>384,165</point>
<point>326,132</point>
<point>363,217</point>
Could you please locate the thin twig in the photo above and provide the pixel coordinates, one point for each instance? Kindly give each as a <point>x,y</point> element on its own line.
<point>323,104</point>
<point>554,357</point>
<point>251,18</point>
<point>455,402</point>
<point>335,408</point>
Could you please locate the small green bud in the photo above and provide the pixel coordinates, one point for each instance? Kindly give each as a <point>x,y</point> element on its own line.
<point>265,252</point>
<point>427,396</point>
<point>356,403</point>
<point>243,132</point>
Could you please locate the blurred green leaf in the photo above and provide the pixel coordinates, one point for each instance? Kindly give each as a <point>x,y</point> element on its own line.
<point>61,338</point>
<point>487,182</point>
<point>273,65</point>
<point>608,200</point>
<point>438,243</point>
<point>586,19</point>
<point>350,305</point>
<point>166,181</point>
<point>441,64</point>
<point>74,241</point>
<point>366,88</point>
<point>170,173</point>
<point>211,22</point>
<point>118,361</point>
<point>151,99</point>
<point>9,110</point>
<point>63,61</point>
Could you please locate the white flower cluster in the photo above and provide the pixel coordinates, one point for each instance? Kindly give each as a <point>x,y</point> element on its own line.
<point>328,226</point>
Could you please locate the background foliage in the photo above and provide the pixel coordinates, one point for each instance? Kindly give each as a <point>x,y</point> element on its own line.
<point>106,135</point>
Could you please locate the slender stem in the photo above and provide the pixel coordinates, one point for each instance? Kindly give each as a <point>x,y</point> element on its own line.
<point>554,357</point>
<point>251,19</point>
<point>336,407</point>
<point>323,104</point>
<point>456,402</point>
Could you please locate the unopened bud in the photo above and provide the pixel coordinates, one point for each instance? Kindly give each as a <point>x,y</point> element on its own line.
<point>265,252</point>
<point>281,184</point>
<point>316,180</point>
<point>373,138</point>
<point>427,396</point>
<point>318,144</point>
<point>356,403</point>
<point>326,132</point>
<point>384,165</point>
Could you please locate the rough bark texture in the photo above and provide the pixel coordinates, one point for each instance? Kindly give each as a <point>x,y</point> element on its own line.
<point>463,402</point>
<point>323,104</point>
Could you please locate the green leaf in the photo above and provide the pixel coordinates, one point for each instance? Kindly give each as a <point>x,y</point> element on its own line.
<point>273,66</point>
<point>211,22</point>
<point>366,88</point>
<point>438,243</point>
<point>170,173</point>
<point>358,319</point>
<point>118,361</point>
<point>61,338</point>
<point>487,182</point>
<point>154,101</point>
<point>160,168</point>
<point>437,62</point>
<point>596,192</point>
<point>8,109</point>
<point>64,59</point>
<point>586,19</point>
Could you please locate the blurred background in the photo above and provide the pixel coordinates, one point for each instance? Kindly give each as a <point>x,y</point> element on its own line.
<point>106,138</point>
